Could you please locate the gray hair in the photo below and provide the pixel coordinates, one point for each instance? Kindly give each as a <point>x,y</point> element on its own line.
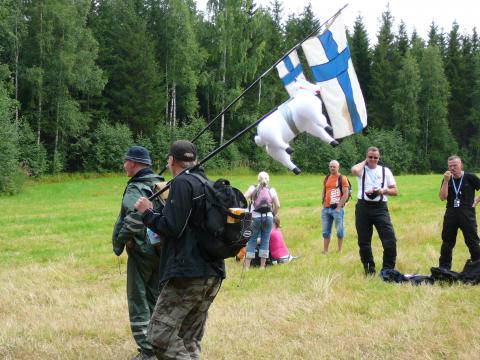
<point>373,148</point>
<point>454,157</point>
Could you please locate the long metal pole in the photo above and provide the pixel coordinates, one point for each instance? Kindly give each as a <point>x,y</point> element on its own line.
<point>249,87</point>
<point>215,152</point>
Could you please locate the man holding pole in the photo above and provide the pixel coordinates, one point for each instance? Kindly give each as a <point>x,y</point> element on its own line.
<point>189,282</point>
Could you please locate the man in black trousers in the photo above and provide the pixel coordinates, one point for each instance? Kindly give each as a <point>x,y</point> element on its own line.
<point>458,188</point>
<point>375,184</point>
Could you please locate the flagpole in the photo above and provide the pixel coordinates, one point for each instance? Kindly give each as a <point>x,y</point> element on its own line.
<point>214,152</point>
<point>265,73</point>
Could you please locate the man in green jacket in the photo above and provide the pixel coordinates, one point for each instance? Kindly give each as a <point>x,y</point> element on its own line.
<point>143,259</point>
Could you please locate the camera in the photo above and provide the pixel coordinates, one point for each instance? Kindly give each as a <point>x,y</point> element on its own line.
<point>373,194</point>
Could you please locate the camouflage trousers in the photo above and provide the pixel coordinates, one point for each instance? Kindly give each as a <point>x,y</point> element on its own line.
<point>178,321</point>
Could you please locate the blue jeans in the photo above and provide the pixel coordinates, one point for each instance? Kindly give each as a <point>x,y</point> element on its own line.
<point>328,216</point>
<point>260,227</point>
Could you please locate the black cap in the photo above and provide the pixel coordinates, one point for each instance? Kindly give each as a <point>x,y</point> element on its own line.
<point>183,150</point>
<point>138,154</point>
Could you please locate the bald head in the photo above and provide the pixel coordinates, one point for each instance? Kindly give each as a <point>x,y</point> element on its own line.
<point>334,167</point>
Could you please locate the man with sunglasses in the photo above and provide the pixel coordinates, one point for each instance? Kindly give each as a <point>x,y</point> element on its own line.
<point>458,188</point>
<point>375,184</point>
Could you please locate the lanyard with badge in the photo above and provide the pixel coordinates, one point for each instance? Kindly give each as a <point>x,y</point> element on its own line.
<point>456,201</point>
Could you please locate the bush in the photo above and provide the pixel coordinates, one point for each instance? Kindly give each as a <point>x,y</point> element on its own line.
<point>32,156</point>
<point>164,135</point>
<point>11,178</point>
<point>110,144</point>
<point>393,150</point>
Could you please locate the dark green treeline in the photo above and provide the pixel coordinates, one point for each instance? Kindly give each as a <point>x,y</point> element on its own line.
<point>81,80</point>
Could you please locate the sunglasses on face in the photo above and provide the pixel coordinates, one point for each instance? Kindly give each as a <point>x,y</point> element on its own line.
<point>373,157</point>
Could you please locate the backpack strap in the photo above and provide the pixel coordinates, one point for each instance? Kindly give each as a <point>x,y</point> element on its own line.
<point>324,189</point>
<point>363,184</point>
<point>339,184</point>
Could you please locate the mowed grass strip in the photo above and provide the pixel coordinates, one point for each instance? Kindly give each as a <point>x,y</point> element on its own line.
<point>62,291</point>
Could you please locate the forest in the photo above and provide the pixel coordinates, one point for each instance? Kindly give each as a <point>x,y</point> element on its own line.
<point>81,81</point>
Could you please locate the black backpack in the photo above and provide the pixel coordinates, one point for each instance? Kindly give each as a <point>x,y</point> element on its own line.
<point>444,275</point>
<point>226,237</point>
<point>470,273</point>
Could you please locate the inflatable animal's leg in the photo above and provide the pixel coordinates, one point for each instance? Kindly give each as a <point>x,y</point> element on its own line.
<point>320,132</point>
<point>282,156</point>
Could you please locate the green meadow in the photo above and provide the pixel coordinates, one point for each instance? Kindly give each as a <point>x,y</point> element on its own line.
<point>62,290</point>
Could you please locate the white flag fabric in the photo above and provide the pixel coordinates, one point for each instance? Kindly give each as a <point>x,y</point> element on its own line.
<point>329,58</point>
<point>289,70</point>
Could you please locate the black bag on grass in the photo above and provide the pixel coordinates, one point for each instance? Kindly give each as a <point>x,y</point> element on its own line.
<point>441,274</point>
<point>470,273</point>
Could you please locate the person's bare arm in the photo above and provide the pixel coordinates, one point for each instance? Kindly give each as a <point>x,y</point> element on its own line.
<point>443,194</point>
<point>357,169</point>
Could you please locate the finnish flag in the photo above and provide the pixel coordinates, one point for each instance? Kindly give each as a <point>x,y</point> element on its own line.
<point>328,56</point>
<point>289,70</point>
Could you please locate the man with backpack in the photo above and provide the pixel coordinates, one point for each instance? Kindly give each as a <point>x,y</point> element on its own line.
<point>336,191</point>
<point>142,263</point>
<point>375,184</point>
<point>189,281</point>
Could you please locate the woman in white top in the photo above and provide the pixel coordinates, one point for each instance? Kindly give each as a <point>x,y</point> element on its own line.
<point>264,204</point>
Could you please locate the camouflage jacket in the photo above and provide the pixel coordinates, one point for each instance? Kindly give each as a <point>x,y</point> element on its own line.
<point>129,225</point>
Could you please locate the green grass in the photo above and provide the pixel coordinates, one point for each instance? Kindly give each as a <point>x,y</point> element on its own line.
<point>62,291</point>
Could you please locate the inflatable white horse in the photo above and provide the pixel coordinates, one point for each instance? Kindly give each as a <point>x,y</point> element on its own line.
<point>303,112</point>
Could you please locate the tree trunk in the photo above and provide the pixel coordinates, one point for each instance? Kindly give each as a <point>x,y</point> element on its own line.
<point>16,72</point>
<point>174,104</point>
<point>224,80</point>
<point>55,150</point>
<point>167,103</point>
<point>40,83</point>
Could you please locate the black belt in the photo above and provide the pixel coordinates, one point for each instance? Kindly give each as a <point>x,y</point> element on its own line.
<point>372,203</point>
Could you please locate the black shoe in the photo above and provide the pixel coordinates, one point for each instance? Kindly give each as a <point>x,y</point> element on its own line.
<point>370,270</point>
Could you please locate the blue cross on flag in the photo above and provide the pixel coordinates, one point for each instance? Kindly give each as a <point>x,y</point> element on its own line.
<point>328,56</point>
<point>289,70</point>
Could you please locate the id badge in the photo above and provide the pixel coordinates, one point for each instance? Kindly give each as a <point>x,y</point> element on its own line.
<point>456,202</point>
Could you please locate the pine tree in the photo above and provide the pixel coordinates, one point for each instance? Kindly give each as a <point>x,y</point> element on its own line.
<point>60,72</point>
<point>437,141</point>
<point>401,40</point>
<point>361,57</point>
<point>178,54</point>
<point>233,57</point>
<point>454,70</point>
<point>417,46</point>
<point>12,33</point>
<point>133,95</point>
<point>8,137</point>
<point>474,115</point>
<point>405,108</point>
<point>383,75</point>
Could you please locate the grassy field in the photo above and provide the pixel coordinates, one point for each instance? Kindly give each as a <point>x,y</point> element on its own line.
<point>62,291</point>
